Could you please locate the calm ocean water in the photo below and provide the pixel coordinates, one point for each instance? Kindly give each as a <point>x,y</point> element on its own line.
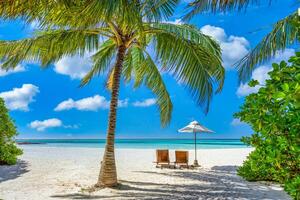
<point>140,143</point>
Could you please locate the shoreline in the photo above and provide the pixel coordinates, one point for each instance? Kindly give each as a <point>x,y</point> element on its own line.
<point>126,148</point>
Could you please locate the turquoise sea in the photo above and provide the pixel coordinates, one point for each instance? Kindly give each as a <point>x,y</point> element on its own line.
<point>139,143</point>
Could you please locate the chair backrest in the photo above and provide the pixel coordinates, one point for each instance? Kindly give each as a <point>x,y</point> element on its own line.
<point>162,155</point>
<point>182,157</point>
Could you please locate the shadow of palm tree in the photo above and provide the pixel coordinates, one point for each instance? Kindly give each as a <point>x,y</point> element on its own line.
<point>80,196</point>
<point>9,172</point>
<point>220,182</point>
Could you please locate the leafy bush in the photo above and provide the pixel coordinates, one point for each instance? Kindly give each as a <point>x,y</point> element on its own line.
<point>274,115</point>
<point>8,149</point>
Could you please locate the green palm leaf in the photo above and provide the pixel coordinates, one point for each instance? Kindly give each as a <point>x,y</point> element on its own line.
<point>48,47</point>
<point>199,6</point>
<point>284,33</point>
<point>157,10</point>
<point>101,60</point>
<point>191,57</point>
<point>145,71</point>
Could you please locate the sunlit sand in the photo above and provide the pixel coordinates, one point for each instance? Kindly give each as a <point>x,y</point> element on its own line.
<point>68,173</point>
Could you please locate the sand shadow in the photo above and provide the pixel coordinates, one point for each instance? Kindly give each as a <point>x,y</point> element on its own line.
<point>79,196</point>
<point>9,172</point>
<point>219,182</point>
<point>226,168</point>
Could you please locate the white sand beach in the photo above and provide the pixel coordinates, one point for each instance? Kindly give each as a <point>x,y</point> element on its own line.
<point>65,173</point>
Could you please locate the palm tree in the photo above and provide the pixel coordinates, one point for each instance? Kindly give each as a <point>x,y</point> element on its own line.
<point>285,32</point>
<point>119,34</point>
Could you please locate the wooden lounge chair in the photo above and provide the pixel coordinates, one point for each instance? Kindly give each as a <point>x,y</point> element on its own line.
<point>182,159</point>
<point>162,158</point>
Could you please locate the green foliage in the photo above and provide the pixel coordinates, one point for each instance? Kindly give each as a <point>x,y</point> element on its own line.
<point>274,114</point>
<point>198,6</point>
<point>96,27</point>
<point>8,149</point>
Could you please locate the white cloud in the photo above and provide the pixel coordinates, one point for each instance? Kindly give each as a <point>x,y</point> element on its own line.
<point>261,73</point>
<point>76,66</point>
<point>123,103</point>
<point>18,68</point>
<point>283,55</point>
<point>145,103</point>
<point>48,123</point>
<point>75,126</point>
<point>88,104</point>
<point>237,122</point>
<point>233,47</point>
<point>20,98</point>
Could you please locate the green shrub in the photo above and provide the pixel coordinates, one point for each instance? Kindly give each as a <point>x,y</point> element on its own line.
<point>274,115</point>
<point>8,149</point>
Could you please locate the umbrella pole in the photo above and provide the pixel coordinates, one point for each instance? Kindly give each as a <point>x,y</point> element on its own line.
<point>195,161</point>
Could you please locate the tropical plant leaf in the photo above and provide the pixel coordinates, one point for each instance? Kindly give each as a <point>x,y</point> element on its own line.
<point>145,71</point>
<point>284,33</point>
<point>102,61</point>
<point>158,10</point>
<point>191,57</point>
<point>199,6</point>
<point>48,47</point>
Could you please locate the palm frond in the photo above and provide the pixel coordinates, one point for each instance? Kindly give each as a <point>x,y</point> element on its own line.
<point>284,33</point>
<point>110,79</point>
<point>101,60</point>
<point>199,6</point>
<point>31,10</point>
<point>192,57</point>
<point>158,10</point>
<point>145,71</point>
<point>48,47</point>
<point>70,13</point>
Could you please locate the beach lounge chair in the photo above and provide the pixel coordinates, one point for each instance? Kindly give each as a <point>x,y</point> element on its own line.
<point>162,158</point>
<point>182,159</point>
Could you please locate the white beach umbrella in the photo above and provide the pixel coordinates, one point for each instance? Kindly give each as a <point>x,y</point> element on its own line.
<point>195,127</point>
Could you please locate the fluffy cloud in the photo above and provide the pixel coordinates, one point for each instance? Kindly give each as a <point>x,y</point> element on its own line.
<point>17,69</point>
<point>88,104</point>
<point>261,73</point>
<point>233,47</point>
<point>76,67</point>
<point>48,123</point>
<point>145,103</point>
<point>20,98</point>
<point>283,55</point>
<point>237,122</point>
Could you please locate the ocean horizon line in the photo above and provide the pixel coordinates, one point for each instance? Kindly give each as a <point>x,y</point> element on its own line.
<point>127,139</point>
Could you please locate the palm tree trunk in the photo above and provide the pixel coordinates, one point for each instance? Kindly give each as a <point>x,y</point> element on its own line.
<point>108,172</point>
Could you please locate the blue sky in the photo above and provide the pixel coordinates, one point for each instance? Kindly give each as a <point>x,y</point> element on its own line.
<point>47,103</point>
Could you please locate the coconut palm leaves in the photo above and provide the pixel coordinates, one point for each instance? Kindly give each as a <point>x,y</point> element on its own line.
<point>48,46</point>
<point>199,6</point>
<point>285,32</point>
